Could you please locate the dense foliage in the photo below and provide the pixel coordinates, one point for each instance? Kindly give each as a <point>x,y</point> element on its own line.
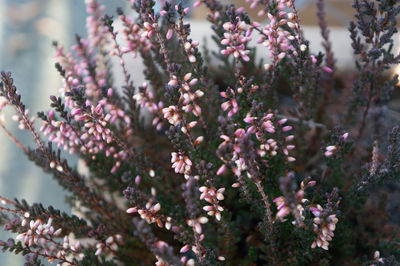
<point>219,158</point>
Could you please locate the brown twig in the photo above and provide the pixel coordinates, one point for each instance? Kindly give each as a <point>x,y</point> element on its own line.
<point>14,139</point>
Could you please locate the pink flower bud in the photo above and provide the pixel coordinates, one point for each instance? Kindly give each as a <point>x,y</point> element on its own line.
<point>291,159</point>
<point>248,119</point>
<point>173,82</point>
<point>236,185</point>
<point>251,130</point>
<point>289,138</point>
<point>312,183</point>
<point>313,59</point>
<point>193,82</point>
<point>221,170</point>
<point>327,69</point>
<point>109,92</point>
<point>225,105</point>
<point>198,228</point>
<point>281,55</point>
<point>283,212</point>
<point>331,148</point>
<point>286,128</point>
<point>192,59</point>
<point>185,249</point>
<point>137,180</point>
<point>51,114</point>
<point>76,111</point>
<point>239,132</point>
<point>131,210</point>
<point>245,58</point>
<point>170,33</point>
<point>282,121</point>
<point>208,208</point>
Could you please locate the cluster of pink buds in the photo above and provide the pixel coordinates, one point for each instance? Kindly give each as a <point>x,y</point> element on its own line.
<point>110,245</point>
<point>145,99</point>
<point>95,129</point>
<point>149,29</point>
<point>324,226</point>
<point>36,230</point>
<point>189,98</point>
<point>73,73</point>
<point>149,214</point>
<point>93,138</point>
<point>241,165</point>
<point>189,49</point>
<point>68,244</point>
<point>377,258</point>
<point>171,113</point>
<point>270,146</point>
<point>96,134</point>
<point>61,133</point>
<point>287,148</point>
<point>94,25</point>
<point>134,36</point>
<point>42,235</point>
<point>283,209</point>
<point>21,122</point>
<point>191,262</point>
<point>114,111</point>
<point>163,246</point>
<point>181,163</point>
<point>196,225</point>
<point>212,196</point>
<point>236,37</point>
<point>259,127</point>
<point>76,70</point>
<point>59,167</point>
<point>92,83</point>
<point>274,36</point>
<point>231,104</point>
<point>330,150</point>
<point>296,208</point>
<point>150,211</point>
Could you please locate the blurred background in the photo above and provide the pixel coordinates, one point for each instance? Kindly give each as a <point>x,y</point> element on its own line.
<point>339,12</point>
<point>27,29</point>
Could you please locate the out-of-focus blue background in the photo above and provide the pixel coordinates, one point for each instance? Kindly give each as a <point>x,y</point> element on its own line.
<point>27,29</point>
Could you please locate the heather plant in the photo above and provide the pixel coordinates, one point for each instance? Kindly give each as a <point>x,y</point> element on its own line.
<point>218,158</point>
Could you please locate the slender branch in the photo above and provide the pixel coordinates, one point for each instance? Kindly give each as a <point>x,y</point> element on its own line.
<point>14,139</point>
